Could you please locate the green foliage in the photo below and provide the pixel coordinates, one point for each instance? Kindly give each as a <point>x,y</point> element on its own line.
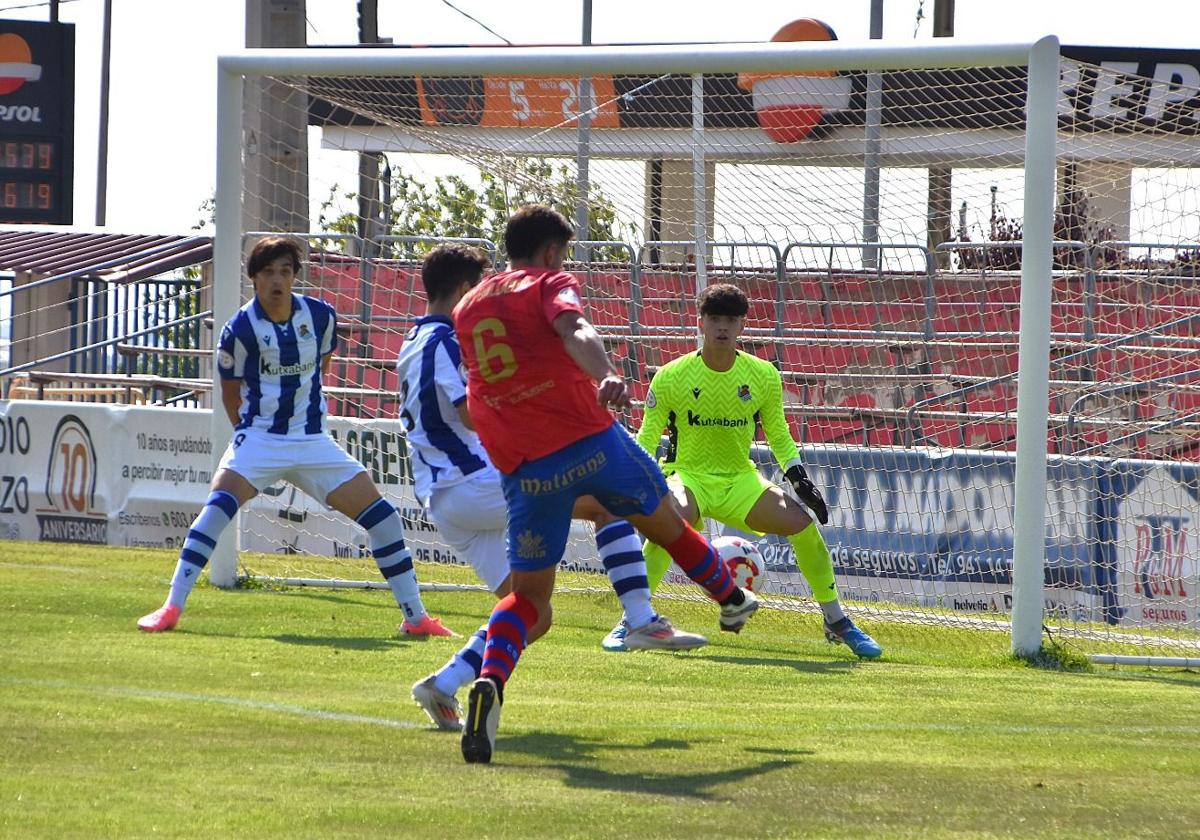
<point>1055,656</point>
<point>453,206</point>
<point>292,709</point>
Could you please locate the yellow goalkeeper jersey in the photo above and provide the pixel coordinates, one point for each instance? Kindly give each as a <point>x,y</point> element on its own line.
<point>710,415</point>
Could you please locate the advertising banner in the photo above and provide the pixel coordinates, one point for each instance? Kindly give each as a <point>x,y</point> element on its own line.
<point>925,527</point>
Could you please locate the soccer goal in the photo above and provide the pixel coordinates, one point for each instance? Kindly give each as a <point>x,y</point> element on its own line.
<point>915,226</point>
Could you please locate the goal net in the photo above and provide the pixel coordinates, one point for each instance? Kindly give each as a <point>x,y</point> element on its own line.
<point>884,214</point>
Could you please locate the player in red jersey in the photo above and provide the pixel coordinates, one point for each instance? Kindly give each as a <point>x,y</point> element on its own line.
<point>539,388</point>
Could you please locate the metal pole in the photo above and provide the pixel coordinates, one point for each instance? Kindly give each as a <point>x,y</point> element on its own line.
<point>583,155</point>
<point>699,185</point>
<point>871,156</point>
<point>940,177</point>
<point>1033,359</point>
<point>102,141</point>
<point>226,282</point>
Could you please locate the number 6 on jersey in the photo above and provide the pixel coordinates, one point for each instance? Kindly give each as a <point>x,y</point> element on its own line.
<point>496,360</point>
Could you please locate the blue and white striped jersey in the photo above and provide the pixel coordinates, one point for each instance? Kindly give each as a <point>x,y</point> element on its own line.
<point>279,365</point>
<point>432,386</point>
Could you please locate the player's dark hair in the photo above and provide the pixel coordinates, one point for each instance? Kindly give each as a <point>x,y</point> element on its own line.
<point>723,299</point>
<point>448,266</point>
<point>532,228</point>
<point>270,248</point>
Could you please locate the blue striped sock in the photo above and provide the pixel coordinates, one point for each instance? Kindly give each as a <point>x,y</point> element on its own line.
<point>464,666</point>
<point>621,553</point>
<point>202,538</point>
<point>385,530</point>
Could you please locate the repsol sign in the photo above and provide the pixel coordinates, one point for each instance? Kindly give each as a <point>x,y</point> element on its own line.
<point>1130,89</point>
<point>20,113</point>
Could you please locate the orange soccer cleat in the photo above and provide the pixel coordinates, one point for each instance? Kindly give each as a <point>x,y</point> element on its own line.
<point>162,619</point>
<point>427,626</point>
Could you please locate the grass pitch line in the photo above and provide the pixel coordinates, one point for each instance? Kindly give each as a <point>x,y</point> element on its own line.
<point>220,700</point>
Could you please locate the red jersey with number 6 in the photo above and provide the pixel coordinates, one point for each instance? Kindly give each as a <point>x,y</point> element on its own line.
<point>526,396</point>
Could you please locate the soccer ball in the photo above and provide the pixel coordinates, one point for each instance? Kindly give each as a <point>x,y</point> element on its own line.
<point>744,560</point>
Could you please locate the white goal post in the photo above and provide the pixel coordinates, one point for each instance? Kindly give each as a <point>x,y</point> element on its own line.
<point>1041,58</point>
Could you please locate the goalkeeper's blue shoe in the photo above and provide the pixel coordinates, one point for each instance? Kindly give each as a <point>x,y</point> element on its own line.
<point>614,642</point>
<point>844,632</point>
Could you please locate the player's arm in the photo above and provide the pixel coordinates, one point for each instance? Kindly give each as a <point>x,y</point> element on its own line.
<point>231,368</point>
<point>464,416</point>
<point>774,423</point>
<point>231,399</point>
<point>448,377</point>
<point>585,347</point>
<point>783,447</point>
<point>328,342</point>
<point>655,413</point>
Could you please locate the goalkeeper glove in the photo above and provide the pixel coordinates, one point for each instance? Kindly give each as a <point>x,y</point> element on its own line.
<point>807,493</point>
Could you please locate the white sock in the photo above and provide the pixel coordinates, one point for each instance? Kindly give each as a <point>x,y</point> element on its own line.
<point>202,537</point>
<point>621,553</point>
<point>464,666</point>
<point>385,530</point>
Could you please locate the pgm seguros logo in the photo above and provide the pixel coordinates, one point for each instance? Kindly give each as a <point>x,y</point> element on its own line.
<point>70,514</point>
<point>1162,567</point>
<point>789,106</point>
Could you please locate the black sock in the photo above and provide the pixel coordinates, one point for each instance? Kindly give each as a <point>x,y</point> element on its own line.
<point>737,598</point>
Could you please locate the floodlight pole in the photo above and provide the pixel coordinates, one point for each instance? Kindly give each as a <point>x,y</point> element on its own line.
<point>1033,359</point>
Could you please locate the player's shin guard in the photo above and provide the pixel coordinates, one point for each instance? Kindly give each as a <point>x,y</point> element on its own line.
<point>385,530</point>
<point>217,513</point>
<point>507,631</point>
<point>464,666</point>
<point>621,553</point>
<point>812,556</point>
<point>700,561</point>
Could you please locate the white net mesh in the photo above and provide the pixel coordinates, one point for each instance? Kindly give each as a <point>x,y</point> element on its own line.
<point>888,297</point>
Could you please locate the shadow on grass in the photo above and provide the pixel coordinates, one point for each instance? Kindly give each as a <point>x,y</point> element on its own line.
<point>564,752</point>
<point>341,642</point>
<point>808,666</point>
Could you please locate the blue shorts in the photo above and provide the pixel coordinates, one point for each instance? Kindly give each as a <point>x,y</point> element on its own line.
<point>541,494</point>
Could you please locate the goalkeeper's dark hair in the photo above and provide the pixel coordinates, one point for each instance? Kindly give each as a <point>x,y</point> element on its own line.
<point>448,266</point>
<point>723,299</point>
<point>270,248</point>
<point>532,228</point>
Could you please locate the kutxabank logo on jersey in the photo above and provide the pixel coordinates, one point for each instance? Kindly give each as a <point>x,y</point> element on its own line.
<point>286,370</point>
<point>71,514</point>
<point>695,419</point>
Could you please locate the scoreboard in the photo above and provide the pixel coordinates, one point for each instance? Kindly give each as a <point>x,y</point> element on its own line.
<point>37,126</point>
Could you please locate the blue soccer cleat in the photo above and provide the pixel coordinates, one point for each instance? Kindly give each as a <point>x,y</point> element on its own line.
<point>844,632</point>
<point>614,642</point>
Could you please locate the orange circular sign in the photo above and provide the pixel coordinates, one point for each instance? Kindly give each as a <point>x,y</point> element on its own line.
<point>16,63</point>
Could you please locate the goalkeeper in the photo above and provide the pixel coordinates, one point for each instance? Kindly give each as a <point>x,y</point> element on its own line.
<point>709,403</point>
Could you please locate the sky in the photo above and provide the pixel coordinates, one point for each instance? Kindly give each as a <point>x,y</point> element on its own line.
<point>163,88</point>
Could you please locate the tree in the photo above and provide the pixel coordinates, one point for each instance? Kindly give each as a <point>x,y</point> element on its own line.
<point>451,206</point>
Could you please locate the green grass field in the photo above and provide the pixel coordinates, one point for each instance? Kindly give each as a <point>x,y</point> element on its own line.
<point>287,714</point>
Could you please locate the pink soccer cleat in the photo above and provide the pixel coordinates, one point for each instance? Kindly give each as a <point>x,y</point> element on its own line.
<point>162,619</point>
<point>427,626</point>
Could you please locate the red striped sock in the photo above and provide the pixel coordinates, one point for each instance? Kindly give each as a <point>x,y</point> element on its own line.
<point>700,561</point>
<point>506,633</point>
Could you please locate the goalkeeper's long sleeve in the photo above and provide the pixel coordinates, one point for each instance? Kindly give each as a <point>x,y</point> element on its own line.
<point>775,427</point>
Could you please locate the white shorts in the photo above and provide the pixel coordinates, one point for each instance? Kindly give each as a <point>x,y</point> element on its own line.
<point>316,464</point>
<point>473,519</point>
